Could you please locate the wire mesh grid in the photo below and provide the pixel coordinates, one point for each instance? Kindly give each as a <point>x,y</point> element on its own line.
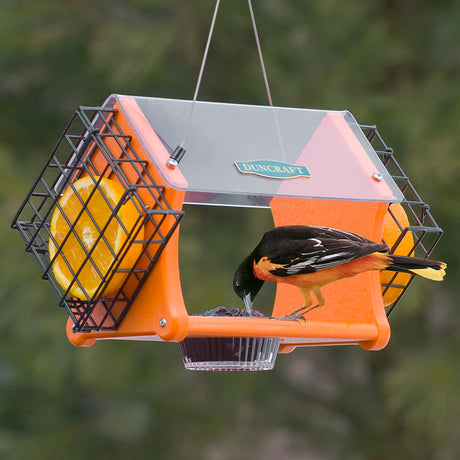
<point>424,231</point>
<point>93,150</point>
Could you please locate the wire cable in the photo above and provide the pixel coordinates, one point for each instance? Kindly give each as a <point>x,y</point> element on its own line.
<point>180,150</point>
<point>200,75</point>
<point>264,73</point>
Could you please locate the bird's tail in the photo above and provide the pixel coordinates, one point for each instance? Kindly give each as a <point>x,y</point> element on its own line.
<point>431,269</point>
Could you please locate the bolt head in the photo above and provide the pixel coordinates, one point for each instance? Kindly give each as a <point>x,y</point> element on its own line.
<point>378,177</point>
<point>172,163</point>
<point>163,322</point>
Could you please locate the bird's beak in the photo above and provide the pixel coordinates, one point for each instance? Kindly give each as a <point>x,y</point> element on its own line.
<point>248,303</point>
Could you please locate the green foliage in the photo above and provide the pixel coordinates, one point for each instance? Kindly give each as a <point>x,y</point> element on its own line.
<point>395,64</point>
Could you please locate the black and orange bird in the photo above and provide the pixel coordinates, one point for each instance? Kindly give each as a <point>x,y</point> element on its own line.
<point>310,257</point>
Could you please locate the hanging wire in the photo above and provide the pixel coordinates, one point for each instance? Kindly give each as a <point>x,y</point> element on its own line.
<point>264,73</point>
<point>200,75</point>
<point>180,149</point>
<point>259,50</point>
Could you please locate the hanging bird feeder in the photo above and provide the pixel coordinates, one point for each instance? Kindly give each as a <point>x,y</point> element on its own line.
<point>113,192</point>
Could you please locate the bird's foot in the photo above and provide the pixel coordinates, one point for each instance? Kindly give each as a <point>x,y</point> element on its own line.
<point>298,314</point>
<point>292,317</point>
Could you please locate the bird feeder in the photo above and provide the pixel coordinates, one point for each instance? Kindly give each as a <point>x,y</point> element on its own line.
<point>330,172</point>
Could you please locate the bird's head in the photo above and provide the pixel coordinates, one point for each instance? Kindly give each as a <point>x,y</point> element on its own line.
<point>245,284</point>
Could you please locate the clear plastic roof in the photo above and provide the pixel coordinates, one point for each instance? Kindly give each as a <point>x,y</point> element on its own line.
<point>243,155</point>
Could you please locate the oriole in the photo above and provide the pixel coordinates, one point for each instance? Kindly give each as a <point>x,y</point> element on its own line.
<point>310,257</point>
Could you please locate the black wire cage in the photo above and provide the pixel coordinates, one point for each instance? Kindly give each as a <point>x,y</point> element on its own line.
<point>422,226</point>
<point>94,146</point>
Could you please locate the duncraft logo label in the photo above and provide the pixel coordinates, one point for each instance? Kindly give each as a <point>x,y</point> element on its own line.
<point>272,169</point>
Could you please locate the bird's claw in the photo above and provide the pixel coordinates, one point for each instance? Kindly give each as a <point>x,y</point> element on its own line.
<point>298,315</point>
<point>292,317</point>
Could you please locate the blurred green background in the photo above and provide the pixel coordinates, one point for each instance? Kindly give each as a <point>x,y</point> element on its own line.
<point>392,63</point>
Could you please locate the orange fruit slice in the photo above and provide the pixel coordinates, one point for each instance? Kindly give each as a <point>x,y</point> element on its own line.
<point>391,233</point>
<point>72,261</point>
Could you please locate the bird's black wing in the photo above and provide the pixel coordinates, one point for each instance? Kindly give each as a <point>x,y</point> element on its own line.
<point>301,249</point>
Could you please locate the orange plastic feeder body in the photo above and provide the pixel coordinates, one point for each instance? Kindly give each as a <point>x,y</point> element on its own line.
<point>327,174</point>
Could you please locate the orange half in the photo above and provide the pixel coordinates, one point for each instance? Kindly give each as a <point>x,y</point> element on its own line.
<point>82,258</point>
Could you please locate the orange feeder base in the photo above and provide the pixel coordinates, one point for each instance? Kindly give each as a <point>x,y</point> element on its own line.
<point>353,314</point>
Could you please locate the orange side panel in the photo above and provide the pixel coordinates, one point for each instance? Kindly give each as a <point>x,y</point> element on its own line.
<point>356,300</point>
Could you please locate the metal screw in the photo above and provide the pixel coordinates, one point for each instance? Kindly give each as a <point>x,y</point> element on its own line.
<point>163,322</point>
<point>377,176</point>
<point>172,163</point>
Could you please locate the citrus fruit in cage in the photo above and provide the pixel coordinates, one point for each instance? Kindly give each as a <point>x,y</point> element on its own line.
<point>82,258</point>
<point>391,232</point>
